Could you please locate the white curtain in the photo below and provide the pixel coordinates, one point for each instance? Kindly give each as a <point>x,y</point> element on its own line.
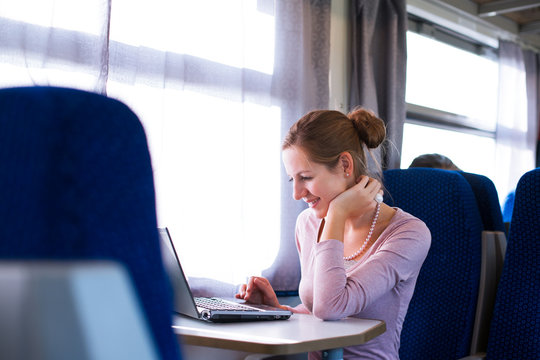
<point>214,96</point>
<point>517,118</point>
<point>54,42</point>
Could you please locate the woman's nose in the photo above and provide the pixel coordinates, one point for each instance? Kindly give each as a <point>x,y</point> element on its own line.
<point>299,191</point>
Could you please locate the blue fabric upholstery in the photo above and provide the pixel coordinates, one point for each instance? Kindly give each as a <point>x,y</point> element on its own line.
<point>508,206</point>
<point>441,314</point>
<point>487,200</point>
<point>515,327</point>
<point>76,183</point>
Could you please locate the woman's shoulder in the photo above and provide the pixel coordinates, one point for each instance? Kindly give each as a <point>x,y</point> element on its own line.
<point>307,222</point>
<point>402,218</point>
<point>307,216</point>
<point>406,225</point>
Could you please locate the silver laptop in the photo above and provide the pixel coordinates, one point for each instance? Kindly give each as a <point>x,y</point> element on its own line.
<point>209,308</point>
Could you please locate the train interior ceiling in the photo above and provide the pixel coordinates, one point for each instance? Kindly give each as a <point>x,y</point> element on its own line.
<point>520,18</point>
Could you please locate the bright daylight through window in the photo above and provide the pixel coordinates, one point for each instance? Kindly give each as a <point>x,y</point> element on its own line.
<point>215,151</point>
<point>200,83</point>
<point>455,82</point>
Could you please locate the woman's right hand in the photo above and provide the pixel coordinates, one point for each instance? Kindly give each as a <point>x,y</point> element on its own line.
<point>258,291</point>
<point>358,199</point>
<point>353,202</point>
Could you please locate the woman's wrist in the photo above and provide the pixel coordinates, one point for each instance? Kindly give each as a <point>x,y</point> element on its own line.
<point>334,225</point>
<point>335,212</point>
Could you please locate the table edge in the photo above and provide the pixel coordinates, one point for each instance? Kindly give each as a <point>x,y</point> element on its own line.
<point>283,349</point>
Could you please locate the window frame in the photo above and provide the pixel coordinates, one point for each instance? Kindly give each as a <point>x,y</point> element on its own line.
<point>436,118</point>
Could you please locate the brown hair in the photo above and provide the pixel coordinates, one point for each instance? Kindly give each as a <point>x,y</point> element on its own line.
<point>325,134</point>
<point>434,161</point>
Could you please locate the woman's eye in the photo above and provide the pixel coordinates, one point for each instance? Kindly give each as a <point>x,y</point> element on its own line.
<point>301,178</point>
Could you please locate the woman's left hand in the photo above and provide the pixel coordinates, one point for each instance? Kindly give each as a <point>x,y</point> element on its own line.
<point>258,291</point>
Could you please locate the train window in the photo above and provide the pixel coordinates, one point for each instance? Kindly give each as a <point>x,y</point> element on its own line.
<point>451,96</point>
<point>82,16</point>
<point>199,76</point>
<point>450,79</point>
<point>209,124</point>
<point>470,152</point>
<point>48,45</point>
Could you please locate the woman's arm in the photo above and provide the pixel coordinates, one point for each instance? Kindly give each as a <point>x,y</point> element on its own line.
<point>336,295</point>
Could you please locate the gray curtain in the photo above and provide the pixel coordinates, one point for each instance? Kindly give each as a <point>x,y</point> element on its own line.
<point>379,60</point>
<point>517,120</point>
<point>300,84</point>
<point>532,72</point>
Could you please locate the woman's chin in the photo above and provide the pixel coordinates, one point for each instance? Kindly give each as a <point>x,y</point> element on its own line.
<point>320,214</point>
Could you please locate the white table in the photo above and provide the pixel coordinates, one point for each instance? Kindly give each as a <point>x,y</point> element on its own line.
<point>301,333</point>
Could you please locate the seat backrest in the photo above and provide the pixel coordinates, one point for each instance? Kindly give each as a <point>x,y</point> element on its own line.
<point>76,182</point>
<point>441,314</point>
<point>515,326</point>
<point>487,200</point>
<point>493,249</point>
<point>82,310</point>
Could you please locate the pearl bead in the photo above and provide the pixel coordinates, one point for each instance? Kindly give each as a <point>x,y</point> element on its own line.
<point>359,251</point>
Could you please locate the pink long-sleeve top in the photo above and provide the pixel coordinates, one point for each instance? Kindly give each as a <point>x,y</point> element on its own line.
<point>379,285</point>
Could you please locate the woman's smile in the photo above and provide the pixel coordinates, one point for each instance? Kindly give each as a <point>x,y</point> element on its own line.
<point>312,203</point>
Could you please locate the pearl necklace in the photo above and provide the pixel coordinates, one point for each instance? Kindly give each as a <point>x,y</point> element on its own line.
<point>359,251</point>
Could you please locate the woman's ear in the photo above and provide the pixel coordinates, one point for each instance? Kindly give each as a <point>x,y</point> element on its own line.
<point>347,164</point>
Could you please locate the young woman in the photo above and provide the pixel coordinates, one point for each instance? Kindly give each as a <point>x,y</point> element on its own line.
<point>359,257</point>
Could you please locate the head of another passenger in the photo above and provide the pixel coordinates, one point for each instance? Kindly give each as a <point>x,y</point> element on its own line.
<point>324,153</point>
<point>434,161</point>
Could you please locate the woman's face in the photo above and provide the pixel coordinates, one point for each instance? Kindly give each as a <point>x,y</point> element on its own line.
<point>313,182</point>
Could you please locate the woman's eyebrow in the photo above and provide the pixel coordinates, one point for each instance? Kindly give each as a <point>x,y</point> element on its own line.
<point>302,172</point>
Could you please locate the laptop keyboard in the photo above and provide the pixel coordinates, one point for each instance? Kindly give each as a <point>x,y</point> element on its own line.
<point>219,304</point>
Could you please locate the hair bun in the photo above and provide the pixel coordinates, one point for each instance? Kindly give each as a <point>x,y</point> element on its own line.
<point>371,130</point>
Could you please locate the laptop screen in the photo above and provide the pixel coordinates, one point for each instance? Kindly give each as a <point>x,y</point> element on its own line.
<point>183,299</point>
<point>210,309</point>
